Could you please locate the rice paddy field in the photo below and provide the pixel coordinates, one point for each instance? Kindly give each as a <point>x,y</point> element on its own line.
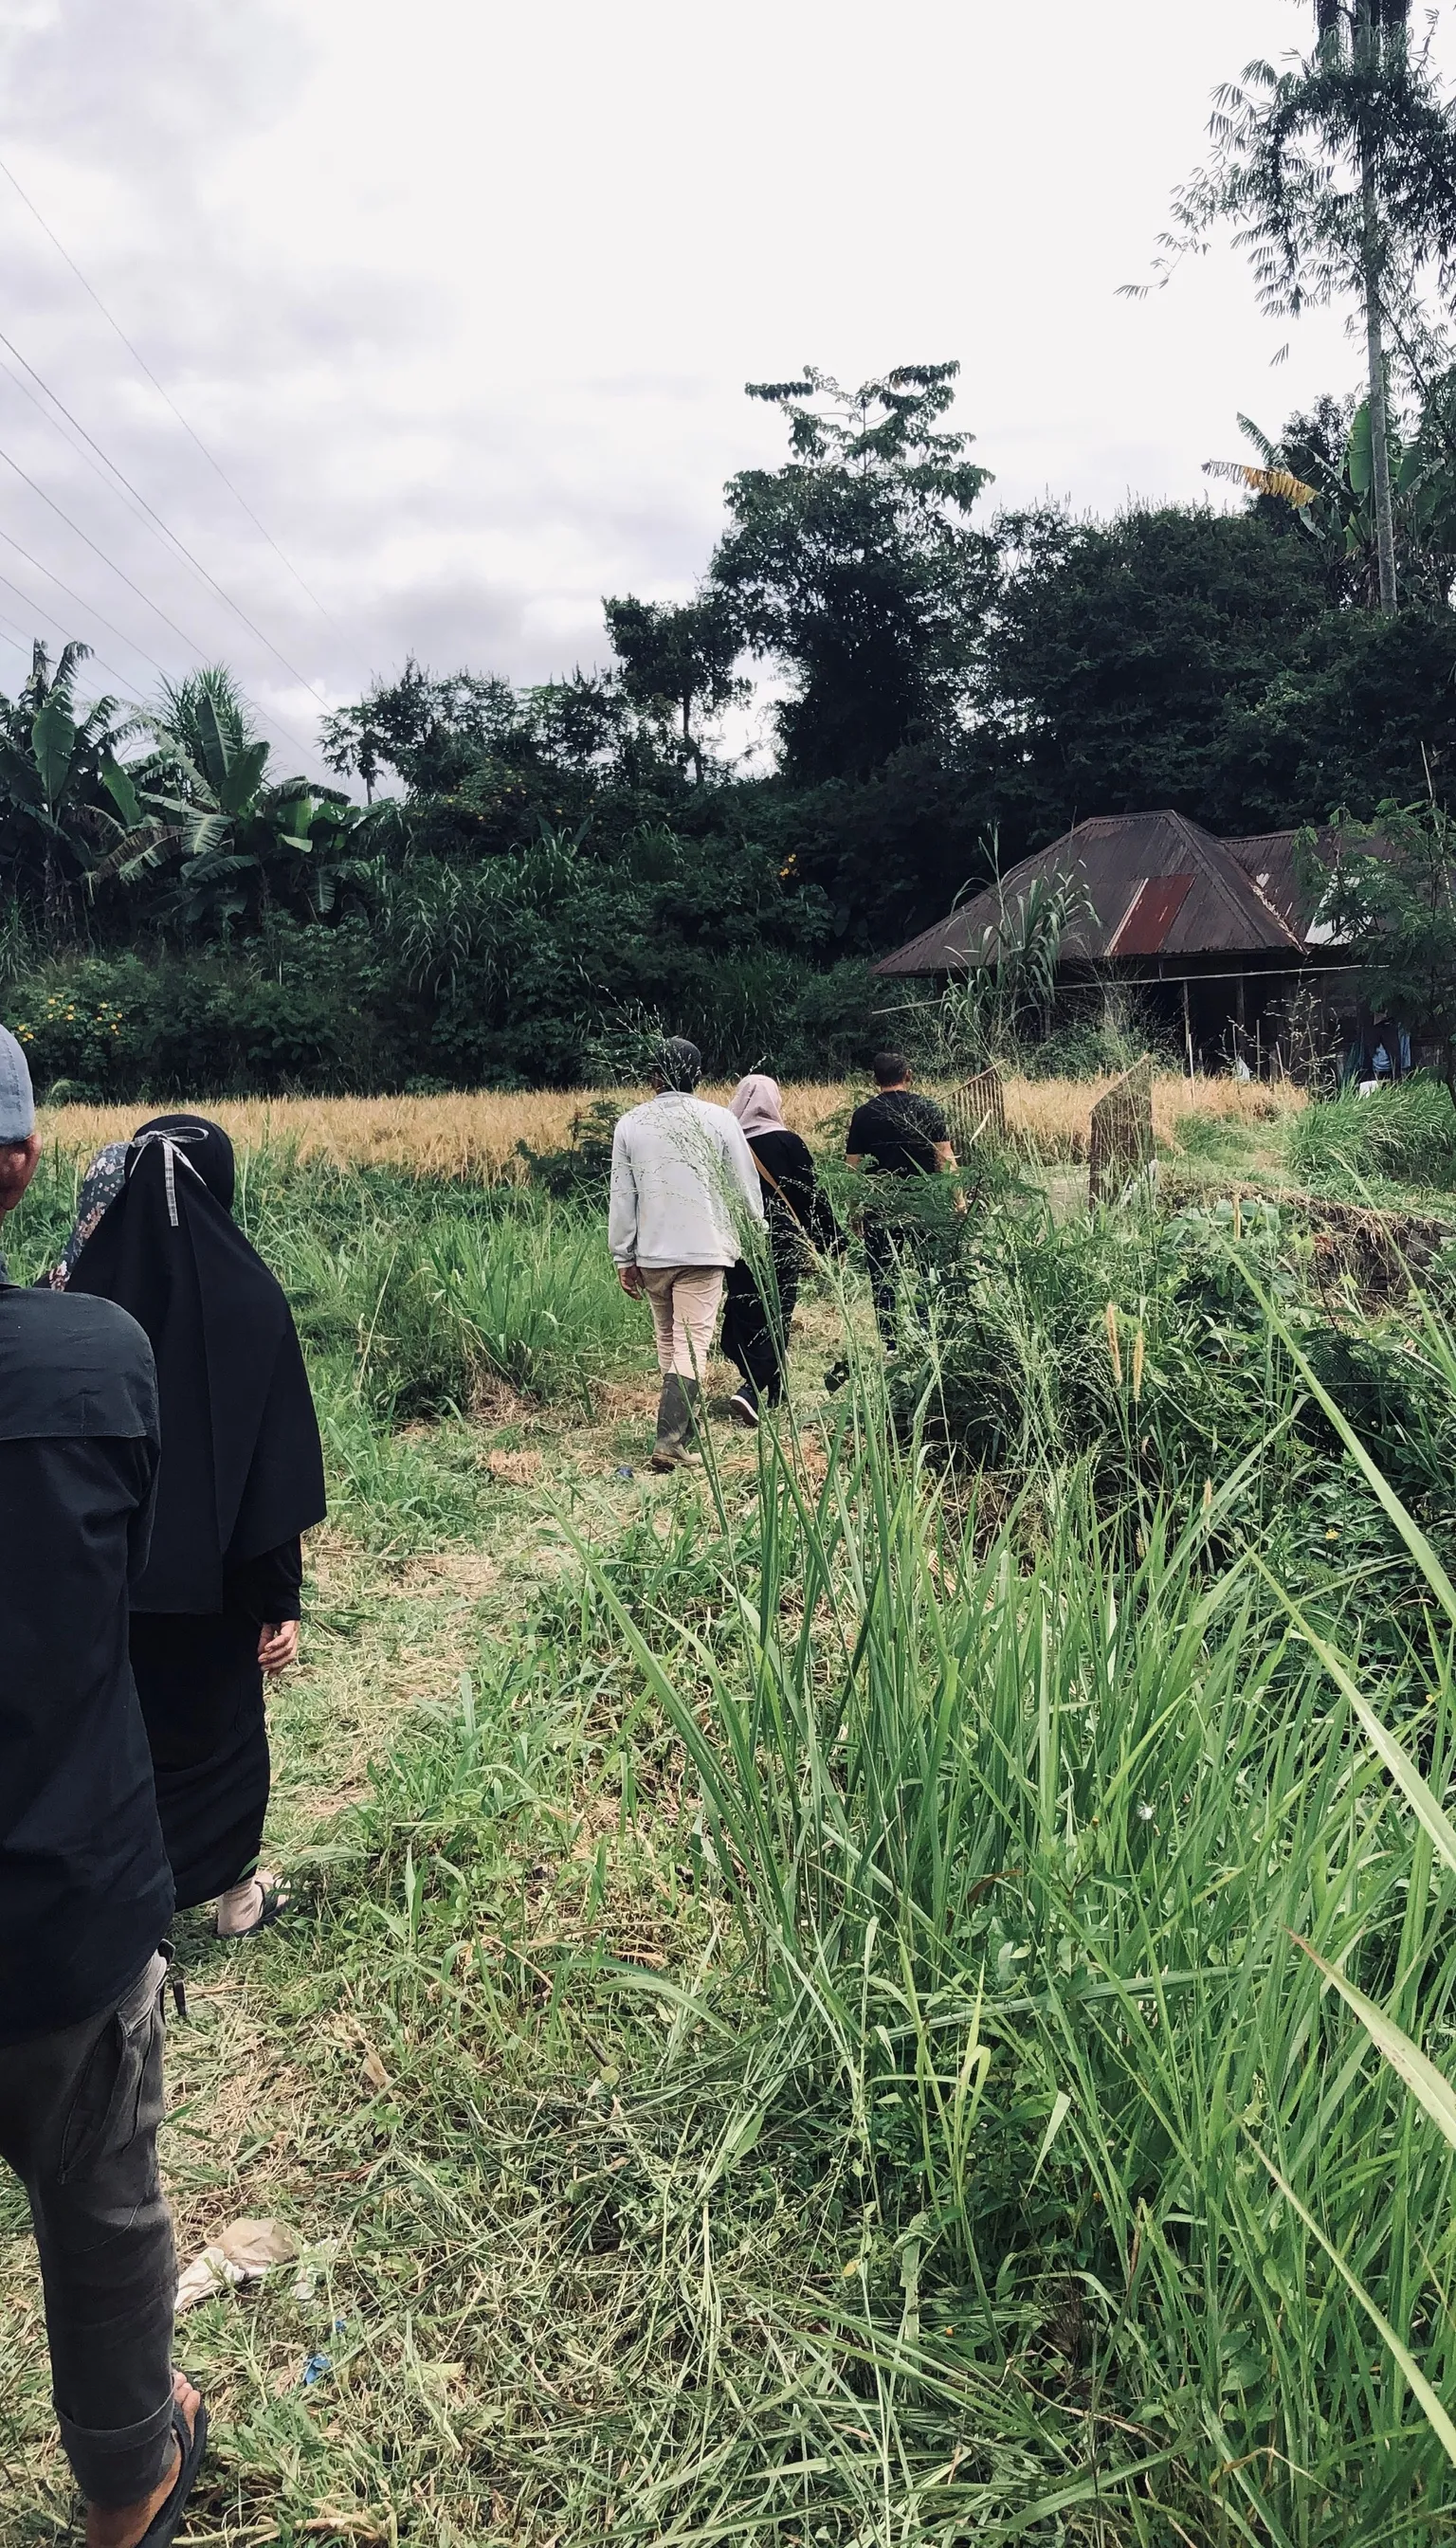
<point>901,1988</point>
<point>479,1135</point>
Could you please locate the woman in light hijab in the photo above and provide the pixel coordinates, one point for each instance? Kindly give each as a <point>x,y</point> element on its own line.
<point>239,1479</point>
<point>756,1331</point>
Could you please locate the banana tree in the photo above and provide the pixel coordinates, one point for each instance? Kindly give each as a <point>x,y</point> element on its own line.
<point>236,838</point>
<point>66,809</point>
<point>1333,494</point>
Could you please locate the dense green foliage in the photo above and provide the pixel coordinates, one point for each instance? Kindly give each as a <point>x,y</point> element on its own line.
<point>1134,1346</point>
<point>1392,900</point>
<point>535,867</point>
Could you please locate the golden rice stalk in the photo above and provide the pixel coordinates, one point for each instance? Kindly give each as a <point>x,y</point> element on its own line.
<point>474,1134</point>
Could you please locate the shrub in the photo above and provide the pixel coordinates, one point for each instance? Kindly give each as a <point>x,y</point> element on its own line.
<point>306,1008</point>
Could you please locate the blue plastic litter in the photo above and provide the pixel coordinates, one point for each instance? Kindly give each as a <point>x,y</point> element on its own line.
<point>624,1472</point>
<point>315,2368</point>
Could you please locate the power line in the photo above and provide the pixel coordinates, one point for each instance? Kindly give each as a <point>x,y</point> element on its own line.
<point>141,360</point>
<point>92,613</point>
<point>60,627</point>
<point>15,636</point>
<point>81,605</point>
<point>154,520</point>
<point>198,651</point>
<point>97,551</point>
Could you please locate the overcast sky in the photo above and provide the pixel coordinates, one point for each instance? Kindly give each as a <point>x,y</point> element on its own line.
<point>462,297</point>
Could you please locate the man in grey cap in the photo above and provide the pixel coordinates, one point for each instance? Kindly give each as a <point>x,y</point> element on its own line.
<point>85,1889</point>
<point>682,1185</point>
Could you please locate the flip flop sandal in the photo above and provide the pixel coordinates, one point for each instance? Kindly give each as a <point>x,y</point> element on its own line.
<point>163,2527</point>
<point>276,1900</point>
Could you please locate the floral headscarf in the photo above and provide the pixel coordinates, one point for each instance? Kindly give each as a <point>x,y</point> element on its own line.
<point>100,1187</point>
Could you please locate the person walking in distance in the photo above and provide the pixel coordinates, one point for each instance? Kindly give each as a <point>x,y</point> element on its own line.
<point>85,1890</point>
<point>683,1184</point>
<point>756,1326</point>
<point>899,1135</point>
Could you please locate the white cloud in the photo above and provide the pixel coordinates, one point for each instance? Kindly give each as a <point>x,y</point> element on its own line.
<point>463,297</point>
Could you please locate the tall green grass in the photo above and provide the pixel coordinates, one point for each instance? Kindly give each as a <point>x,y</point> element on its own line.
<point>424,1290</point>
<point>1017,2141</point>
<point>1129,1342</point>
<point>1404,1135</point>
<point>1019,1843</point>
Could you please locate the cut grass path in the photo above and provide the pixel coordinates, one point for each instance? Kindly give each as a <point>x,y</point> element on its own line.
<point>325,2079</point>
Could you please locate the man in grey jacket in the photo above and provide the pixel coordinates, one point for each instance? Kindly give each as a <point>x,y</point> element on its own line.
<point>682,1185</point>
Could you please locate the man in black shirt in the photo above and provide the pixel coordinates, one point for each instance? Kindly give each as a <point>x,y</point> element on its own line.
<point>901,1134</point>
<point>85,1890</point>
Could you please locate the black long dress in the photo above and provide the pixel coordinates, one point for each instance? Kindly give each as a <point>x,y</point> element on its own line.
<point>240,1476</point>
<point>200,1688</point>
<point>756,1334</point>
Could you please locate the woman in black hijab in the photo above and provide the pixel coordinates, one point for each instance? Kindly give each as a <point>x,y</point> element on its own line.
<point>240,1476</point>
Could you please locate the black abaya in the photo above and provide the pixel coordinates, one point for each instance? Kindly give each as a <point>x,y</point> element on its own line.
<point>240,1476</point>
<point>200,1688</point>
<point>756,1333</point>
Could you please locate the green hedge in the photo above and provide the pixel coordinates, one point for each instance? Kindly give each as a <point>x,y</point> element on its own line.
<point>322,1010</point>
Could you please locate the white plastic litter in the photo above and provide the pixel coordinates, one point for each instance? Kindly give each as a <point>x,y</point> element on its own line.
<point>244,2253</point>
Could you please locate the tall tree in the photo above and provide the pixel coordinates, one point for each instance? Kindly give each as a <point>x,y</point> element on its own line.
<point>1338,174</point>
<point>856,567</point>
<point>1118,652</point>
<point>429,730</point>
<point>679,656</point>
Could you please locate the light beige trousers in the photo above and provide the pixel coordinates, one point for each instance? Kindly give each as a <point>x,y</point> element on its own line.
<point>686,1300</point>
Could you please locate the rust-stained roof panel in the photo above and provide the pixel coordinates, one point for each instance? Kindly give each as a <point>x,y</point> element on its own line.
<point>1151,915</point>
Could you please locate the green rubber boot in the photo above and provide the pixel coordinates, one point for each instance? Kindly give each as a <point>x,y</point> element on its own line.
<point>675,1417</point>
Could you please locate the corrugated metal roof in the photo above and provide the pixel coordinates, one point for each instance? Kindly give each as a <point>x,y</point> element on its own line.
<point>1130,864</point>
<point>1269,859</point>
<point>1151,915</point>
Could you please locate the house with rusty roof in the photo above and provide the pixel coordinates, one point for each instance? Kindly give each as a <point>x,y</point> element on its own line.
<point>1219,934</point>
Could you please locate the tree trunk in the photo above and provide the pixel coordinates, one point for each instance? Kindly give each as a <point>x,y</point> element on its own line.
<point>1367,39</point>
<point>693,748</point>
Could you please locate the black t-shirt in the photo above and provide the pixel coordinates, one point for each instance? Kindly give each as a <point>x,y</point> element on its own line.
<point>85,1889</point>
<point>897,1130</point>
